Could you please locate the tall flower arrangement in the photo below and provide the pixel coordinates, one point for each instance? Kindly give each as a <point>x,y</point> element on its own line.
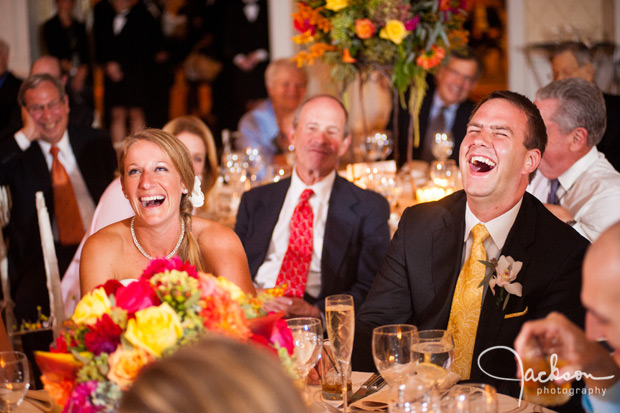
<point>117,330</point>
<point>408,37</point>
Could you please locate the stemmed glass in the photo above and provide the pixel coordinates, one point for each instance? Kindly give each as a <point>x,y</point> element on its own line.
<point>14,379</point>
<point>377,146</point>
<point>443,146</point>
<point>308,339</point>
<point>391,350</point>
<point>434,353</point>
<point>340,316</point>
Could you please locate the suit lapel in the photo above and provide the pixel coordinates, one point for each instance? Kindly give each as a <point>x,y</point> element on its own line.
<point>341,220</point>
<point>447,250</point>
<point>266,216</point>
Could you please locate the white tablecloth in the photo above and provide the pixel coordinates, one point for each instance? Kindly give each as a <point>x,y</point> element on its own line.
<point>507,404</point>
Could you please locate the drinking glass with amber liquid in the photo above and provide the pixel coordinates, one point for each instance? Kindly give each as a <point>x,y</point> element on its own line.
<point>540,368</point>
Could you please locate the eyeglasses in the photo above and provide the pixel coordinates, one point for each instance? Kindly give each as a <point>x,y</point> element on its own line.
<point>455,73</point>
<point>37,110</point>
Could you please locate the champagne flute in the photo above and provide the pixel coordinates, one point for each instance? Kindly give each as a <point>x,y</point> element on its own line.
<point>308,340</point>
<point>14,379</point>
<point>340,316</point>
<point>391,350</point>
<point>434,353</point>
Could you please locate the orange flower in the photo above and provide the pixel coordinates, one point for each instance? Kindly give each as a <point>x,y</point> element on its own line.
<point>59,390</point>
<point>306,16</point>
<point>364,28</point>
<point>347,58</point>
<point>126,364</point>
<point>432,58</point>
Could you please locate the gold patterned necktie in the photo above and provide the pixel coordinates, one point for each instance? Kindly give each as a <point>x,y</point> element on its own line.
<point>466,303</point>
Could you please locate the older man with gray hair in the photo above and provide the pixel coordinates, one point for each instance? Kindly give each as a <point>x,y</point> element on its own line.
<point>576,181</point>
<point>266,127</point>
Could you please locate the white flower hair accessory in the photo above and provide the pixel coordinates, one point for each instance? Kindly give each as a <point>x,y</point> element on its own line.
<point>503,272</point>
<point>197,198</point>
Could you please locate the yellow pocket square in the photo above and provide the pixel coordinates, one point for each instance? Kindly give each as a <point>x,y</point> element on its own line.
<point>519,314</point>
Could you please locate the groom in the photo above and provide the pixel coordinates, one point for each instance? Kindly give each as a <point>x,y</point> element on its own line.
<point>431,272</point>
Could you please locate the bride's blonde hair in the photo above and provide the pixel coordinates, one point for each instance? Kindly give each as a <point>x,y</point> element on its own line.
<point>180,157</point>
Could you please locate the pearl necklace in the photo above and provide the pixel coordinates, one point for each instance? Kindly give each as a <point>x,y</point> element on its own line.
<point>139,247</point>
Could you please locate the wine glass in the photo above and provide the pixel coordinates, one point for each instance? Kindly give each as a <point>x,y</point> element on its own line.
<point>472,398</point>
<point>391,350</point>
<point>434,353</point>
<point>377,146</point>
<point>340,316</point>
<point>14,379</point>
<point>308,339</point>
<point>442,146</point>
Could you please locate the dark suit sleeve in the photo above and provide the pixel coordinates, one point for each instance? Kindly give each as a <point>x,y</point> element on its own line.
<point>374,238</point>
<point>388,301</point>
<point>243,216</point>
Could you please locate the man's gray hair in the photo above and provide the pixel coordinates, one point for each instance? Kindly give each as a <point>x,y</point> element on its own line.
<point>581,105</point>
<point>272,70</point>
<point>579,50</point>
<point>34,81</point>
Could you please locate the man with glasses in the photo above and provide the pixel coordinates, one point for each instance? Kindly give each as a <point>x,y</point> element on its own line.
<point>72,167</point>
<point>446,106</point>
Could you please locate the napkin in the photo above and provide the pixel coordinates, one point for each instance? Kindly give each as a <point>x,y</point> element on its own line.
<point>382,397</point>
<point>37,401</point>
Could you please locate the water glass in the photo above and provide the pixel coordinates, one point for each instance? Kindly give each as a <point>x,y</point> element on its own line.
<point>14,379</point>
<point>471,398</point>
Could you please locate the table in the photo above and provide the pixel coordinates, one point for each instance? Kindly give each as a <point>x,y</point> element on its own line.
<point>507,404</point>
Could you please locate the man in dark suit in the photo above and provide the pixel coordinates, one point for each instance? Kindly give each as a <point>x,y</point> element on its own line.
<point>10,119</point>
<point>349,226</point>
<point>447,92</point>
<point>430,251</point>
<point>572,59</point>
<point>25,164</point>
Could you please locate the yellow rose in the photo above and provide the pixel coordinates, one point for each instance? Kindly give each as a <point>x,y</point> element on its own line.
<point>154,329</point>
<point>394,30</point>
<point>92,306</point>
<point>126,364</point>
<point>336,5</point>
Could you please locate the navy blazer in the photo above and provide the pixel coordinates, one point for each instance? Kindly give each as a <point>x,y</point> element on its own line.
<point>26,172</point>
<point>356,235</point>
<point>417,280</point>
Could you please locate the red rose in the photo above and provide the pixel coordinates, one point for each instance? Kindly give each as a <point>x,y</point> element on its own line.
<point>161,265</point>
<point>104,336</point>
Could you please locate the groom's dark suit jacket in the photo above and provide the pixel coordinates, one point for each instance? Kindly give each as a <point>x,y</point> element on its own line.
<point>356,235</point>
<point>26,172</point>
<point>417,280</point>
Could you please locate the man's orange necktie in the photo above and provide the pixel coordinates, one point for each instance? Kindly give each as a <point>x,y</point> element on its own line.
<point>70,227</point>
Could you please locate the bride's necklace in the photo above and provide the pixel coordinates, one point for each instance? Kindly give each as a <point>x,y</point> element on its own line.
<point>139,247</point>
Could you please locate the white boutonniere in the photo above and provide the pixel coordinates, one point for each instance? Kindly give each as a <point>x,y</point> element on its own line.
<point>501,273</point>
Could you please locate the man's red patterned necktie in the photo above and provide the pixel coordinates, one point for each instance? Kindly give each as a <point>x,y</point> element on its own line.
<point>296,263</point>
<point>66,208</point>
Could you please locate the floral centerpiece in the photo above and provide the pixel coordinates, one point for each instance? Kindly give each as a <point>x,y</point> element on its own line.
<point>409,37</point>
<point>116,330</point>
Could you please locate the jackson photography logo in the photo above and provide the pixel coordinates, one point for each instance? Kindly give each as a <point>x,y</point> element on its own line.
<point>529,375</point>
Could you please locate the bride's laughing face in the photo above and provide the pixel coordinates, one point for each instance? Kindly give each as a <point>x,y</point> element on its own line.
<point>152,183</point>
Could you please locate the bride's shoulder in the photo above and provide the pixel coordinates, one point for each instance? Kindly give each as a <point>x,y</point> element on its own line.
<point>110,235</point>
<point>210,231</point>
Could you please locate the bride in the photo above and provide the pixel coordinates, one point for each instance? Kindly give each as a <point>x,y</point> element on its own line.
<point>157,178</point>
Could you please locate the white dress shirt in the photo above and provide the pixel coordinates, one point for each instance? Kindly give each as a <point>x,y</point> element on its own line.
<point>589,190</point>
<point>498,230</point>
<point>67,158</point>
<point>267,274</point>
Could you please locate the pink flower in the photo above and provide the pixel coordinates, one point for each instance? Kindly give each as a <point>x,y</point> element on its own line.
<point>273,329</point>
<point>410,25</point>
<point>80,397</point>
<point>304,26</point>
<point>136,296</point>
<point>161,265</point>
<point>104,336</point>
